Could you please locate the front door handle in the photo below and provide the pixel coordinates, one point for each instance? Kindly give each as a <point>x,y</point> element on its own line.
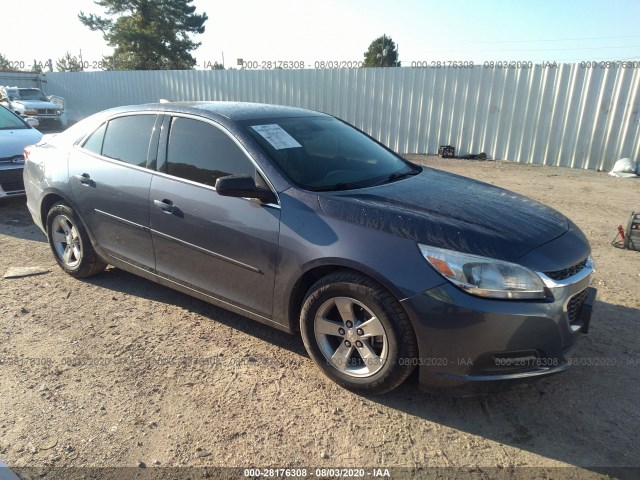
<point>165,205</point>
<point>85,179</point>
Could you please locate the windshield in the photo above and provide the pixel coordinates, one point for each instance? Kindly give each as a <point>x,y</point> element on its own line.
<point>323,153</point>
<point>32,94</point>
<point>13,94</point>
<point>8,121</point>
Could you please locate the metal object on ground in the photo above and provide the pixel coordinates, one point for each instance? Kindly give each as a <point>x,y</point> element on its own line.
<point>632,233</point>
<point>629,238</point>
<point>447,151</point>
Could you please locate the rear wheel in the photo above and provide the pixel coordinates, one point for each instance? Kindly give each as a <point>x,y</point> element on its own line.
<point>358,333</point>
<point>70,243</point>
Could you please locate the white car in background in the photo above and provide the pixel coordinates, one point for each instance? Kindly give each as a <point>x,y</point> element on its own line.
<point>31,102</point>
<point>15,134</point>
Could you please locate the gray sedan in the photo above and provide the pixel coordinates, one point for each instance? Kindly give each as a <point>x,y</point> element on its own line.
<point>298,220</point>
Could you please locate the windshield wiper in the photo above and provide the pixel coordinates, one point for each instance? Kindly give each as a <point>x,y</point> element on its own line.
<point>398,175</point>
<point>337,186</point>
<point>363,184</point>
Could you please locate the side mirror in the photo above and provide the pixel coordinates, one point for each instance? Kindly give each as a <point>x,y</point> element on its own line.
<point>242,186</point>
<point>31,121</point>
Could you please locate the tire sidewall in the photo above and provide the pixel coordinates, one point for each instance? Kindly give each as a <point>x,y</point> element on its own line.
<point>366,295</point>
<point>63,209</point>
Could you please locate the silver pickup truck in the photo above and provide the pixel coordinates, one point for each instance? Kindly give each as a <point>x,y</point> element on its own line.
<point>31,102</point>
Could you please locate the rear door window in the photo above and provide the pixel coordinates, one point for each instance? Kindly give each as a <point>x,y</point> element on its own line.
<point>127,139</point>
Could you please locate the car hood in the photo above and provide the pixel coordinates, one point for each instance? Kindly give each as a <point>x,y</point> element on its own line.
<point>12,142</point>
<point>37,104</point>
<point>450,211</point>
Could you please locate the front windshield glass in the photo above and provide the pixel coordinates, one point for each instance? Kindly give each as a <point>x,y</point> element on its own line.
<point>323,153</point>
<point>8,121</point>
<point>32,94</point>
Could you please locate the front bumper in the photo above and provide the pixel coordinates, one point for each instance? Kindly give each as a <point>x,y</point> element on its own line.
<point>58,120</point>
<point>47,117</point>
<point>463,338</point>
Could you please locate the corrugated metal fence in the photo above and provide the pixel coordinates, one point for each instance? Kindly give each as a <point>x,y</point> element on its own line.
<point>565,115</point>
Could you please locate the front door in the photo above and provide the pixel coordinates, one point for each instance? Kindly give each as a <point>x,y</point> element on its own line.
<point>222,246</point>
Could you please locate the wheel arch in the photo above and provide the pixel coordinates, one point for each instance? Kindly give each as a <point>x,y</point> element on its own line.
<point>47,202</point>
<point>314,272</point>
<point>49,199</point>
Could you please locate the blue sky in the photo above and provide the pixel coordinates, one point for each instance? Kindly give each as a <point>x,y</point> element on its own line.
<point>341,30</point>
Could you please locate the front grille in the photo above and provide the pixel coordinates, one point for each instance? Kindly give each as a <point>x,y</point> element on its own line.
<point>15,160</point>
<point>9,187</point>
<point>46,111</point>
<point>11,180</point>
<point>575,304</point>
<point>567,272</point>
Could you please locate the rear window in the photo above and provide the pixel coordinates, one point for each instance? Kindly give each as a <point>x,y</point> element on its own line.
<point>94,142</point>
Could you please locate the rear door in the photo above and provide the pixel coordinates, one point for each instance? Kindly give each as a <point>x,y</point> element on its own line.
<point>221,246</point>
<point>110,182</point>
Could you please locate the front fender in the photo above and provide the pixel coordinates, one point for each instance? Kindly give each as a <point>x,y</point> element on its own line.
<point>310,240</point>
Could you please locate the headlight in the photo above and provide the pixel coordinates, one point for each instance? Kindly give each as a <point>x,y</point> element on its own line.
<point>58,112</point>
<point>485,277</point>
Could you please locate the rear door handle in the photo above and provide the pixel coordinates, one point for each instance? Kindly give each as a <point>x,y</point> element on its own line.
<point>165,205</point>
<point>85,179</point>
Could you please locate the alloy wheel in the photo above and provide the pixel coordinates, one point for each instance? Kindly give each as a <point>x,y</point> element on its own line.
<point>351,337</point>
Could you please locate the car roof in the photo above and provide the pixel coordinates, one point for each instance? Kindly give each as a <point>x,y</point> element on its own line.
<point>234,111</point>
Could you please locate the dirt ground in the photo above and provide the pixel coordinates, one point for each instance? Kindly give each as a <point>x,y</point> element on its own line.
<point>117,371</point>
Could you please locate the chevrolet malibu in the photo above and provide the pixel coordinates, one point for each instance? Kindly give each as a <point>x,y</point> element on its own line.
<point>300,221</point>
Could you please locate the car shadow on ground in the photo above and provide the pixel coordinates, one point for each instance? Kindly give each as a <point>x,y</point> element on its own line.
<point>593,398</point>
<point>16,221</point>
<point>556,417</point>
<point>125,282</point>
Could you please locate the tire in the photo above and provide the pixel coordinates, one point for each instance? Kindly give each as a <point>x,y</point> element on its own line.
<point>358,333</point>
<point>70,243</point>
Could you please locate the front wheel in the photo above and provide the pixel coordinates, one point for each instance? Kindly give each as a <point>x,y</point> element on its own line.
<point>70,243</point>
<point>358,333</point>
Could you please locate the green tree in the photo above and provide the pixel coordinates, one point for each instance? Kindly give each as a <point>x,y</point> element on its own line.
<point>382,52</point>
<point>216,66</point>
<point>37,67</point>
<point>69,63</point>
<point>4,63</point>
<point>147,34</point>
